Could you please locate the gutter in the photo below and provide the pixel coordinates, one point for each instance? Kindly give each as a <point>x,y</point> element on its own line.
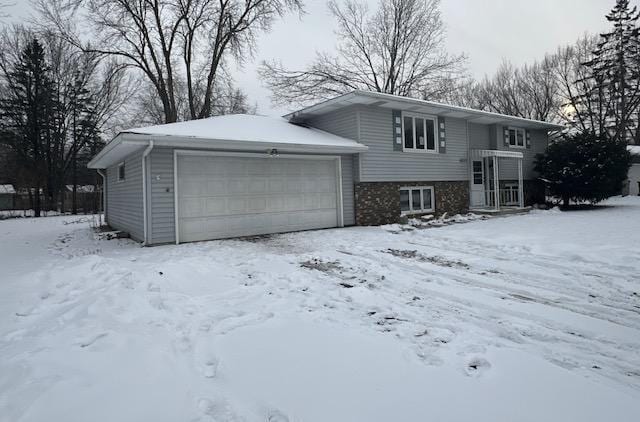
<point>104,193</point>
<point>144,190</point>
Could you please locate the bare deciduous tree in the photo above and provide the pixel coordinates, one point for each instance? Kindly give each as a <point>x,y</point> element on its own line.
<point>170,41</point>
<point>530,91</point>
<point>228,100</point>
<point>577,108</point>
<point>399,50</point>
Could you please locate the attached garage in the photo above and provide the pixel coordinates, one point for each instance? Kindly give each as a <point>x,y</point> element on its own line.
<point>226,176</point>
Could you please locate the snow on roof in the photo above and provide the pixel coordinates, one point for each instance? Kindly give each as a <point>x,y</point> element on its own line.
<point>234,132</point>
<point>247,128</point>
<point>7,189</point>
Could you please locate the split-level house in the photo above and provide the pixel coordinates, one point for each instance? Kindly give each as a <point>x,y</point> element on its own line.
<point>362,158</point>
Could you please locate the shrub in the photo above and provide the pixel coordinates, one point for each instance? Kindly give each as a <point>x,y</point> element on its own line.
<point>584,168</point>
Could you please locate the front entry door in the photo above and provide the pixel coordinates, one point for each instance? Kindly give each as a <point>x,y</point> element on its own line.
<point>477,183</point>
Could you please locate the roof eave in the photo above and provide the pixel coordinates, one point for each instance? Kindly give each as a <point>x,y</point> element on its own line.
<point>440,109</point>
<point>139,140</point>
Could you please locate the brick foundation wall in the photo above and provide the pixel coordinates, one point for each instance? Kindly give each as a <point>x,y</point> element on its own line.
<point>379,202</point>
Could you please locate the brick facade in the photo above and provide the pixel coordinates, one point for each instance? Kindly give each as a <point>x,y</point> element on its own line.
<point>379,202</point>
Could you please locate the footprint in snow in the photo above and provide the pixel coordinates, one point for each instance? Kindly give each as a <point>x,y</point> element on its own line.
<point>83,343</point>
<point>219,410</point>
<point>277,416</point>
<point>210,368</point>
<point>476,366</point>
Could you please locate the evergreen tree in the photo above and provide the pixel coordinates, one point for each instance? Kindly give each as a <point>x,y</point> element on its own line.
<point>82,131</point>
<point>584,167</point>
<point>25,109</point>
<point>615,75</point>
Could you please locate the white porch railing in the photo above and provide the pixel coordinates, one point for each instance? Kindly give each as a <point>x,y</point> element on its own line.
<point>508,197</point>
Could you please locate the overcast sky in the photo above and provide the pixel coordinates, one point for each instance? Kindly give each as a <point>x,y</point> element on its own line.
<point>488,31</point>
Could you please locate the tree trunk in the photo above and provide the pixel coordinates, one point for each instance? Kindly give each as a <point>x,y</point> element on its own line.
<point>74,198</point>
<point>37,205</point>
<point>62,194</point>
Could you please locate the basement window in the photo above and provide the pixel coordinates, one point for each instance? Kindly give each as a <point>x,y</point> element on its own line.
<point>417,200</point>
<point>121,172</point>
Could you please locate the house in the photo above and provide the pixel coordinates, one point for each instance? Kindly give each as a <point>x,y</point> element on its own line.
<point>362,158</point>
<point>634,171</point>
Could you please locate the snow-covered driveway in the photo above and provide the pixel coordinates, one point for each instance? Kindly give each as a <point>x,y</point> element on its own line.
<point>524,318</point>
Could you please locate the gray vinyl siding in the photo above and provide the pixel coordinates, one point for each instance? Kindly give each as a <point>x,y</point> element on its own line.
<point>341,122</point>
<point>345,123</point>
<point>162,197</point>
<point>124,198</point>
<point>479,136</point>
<point>509,168</point>
<point>162,213</point>
<point>348,195</point>
<point>382,164</point>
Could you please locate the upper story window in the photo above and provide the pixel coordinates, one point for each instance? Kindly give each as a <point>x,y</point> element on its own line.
<point>419,133</point>
<point>516,137</point>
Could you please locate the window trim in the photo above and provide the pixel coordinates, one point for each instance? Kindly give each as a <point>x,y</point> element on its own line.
<point>436,140</point>
<point>524,137</point>
<point>411,211</point>
<point>118,178</point>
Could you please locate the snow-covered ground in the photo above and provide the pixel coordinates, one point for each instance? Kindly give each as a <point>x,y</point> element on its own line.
<point>522,318</point>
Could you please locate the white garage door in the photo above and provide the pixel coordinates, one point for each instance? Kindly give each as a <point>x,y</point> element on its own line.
<point>230,196</point>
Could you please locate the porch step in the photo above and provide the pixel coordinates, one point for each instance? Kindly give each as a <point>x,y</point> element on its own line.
<point>501,211</point>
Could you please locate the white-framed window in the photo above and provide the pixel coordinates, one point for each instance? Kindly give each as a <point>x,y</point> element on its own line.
<point>478,173</point>
<point>517,137</point>
<point>417,199</point>
<point>419,133</point>
<point>121,172</point>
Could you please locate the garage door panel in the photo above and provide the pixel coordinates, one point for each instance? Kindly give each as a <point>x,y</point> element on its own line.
<point>236,185</point>
<point>215,186</point>
<point>222,197</point>
<point>257,204</point>
<point>243,225</point>
<point>327,201</point>
<point>276,203</point>
<point>193,186</point>
<point>214,206</point>
<point>192,207</point>
<point>257,185</point>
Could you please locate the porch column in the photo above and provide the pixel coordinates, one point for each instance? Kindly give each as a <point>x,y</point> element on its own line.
<point>496,183</point>
<point>520,184</point>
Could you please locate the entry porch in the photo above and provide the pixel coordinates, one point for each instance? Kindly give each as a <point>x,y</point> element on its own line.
<point>490,192</point>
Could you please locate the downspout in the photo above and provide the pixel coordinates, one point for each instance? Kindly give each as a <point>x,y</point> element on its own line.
<point>144,190</point>
<point>104,194</point>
